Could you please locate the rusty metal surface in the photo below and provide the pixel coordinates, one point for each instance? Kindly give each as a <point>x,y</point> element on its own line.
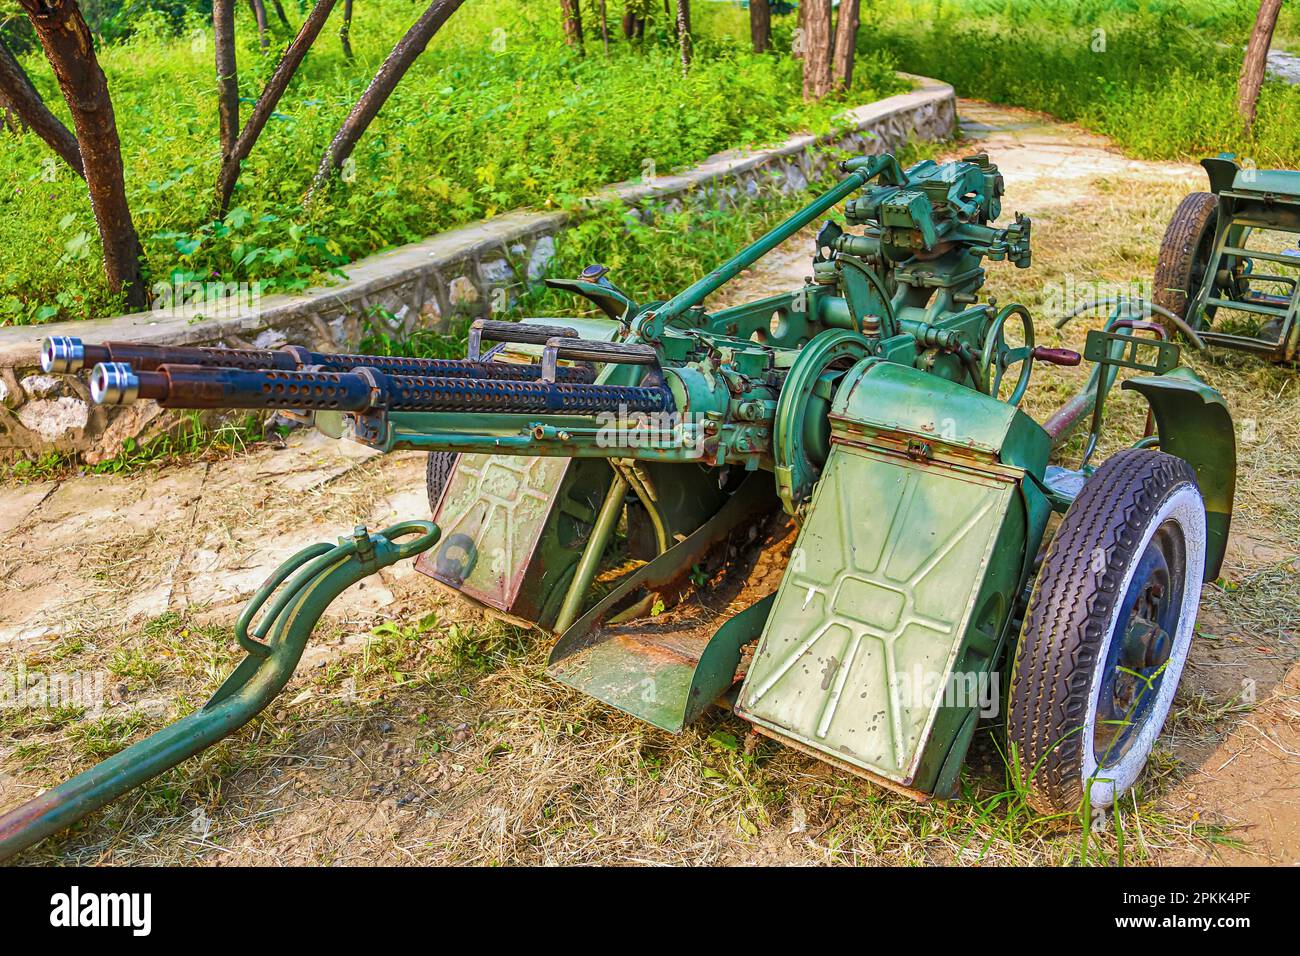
<point>492,513</point>
<point>668,669</point>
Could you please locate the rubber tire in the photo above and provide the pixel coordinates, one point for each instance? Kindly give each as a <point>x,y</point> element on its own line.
<point>1187,238</point>
<point>436,475</point>
<point>1067,629</point>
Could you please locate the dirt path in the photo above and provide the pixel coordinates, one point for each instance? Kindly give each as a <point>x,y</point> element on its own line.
<point>440,740</point>
<point>1285,66</point>
<point>101,551</point>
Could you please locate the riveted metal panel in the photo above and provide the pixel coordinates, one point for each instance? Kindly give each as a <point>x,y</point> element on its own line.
<point>875,607</point>
<point>492,515</point>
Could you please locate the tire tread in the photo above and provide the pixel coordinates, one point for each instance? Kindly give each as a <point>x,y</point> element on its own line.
<point>1173,280</point>
<point>1069,612</point>
<point>436,475</point>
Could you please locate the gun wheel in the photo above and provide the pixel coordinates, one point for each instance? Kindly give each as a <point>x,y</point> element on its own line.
<point>1185,255</point>
<point>1109,625</point>
<point>436,475</point>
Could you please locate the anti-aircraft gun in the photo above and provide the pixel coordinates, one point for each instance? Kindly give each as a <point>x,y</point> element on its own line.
<point>874,407</point>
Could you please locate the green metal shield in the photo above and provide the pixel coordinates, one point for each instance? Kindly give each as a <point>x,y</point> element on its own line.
<point>872,616</point>
<point>515,527</point>
<point>492,515</point>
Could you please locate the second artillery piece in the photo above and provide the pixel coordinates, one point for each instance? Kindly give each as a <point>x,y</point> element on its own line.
<point>1230,260</point>
<point>875,406</point>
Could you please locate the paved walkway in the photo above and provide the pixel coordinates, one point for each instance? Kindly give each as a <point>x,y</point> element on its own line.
<point>1285,66</point>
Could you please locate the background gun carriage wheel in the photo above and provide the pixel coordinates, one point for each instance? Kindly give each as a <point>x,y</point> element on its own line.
<point>1185,255</point>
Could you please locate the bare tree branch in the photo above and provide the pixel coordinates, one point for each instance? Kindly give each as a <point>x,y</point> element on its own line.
<point>760,25</point>
<point>279,12</point>
<point>259,14</point>
<point>406,52</point>
<point>633,25</point>
<point>345,31</point>
<point>266,103</point>
<point>223,30</point>
<point>684,33</point>
<point>21,99</point>
<point>1255,62</point>
<point>846,42</point>
<point>816,41</point>
<point>572,22</point>
<point>71,51</point>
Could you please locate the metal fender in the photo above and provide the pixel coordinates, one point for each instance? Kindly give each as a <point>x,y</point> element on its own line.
<point>1194,423</point>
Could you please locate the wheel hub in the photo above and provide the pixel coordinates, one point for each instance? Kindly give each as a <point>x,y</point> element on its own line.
<point>1140,650</point>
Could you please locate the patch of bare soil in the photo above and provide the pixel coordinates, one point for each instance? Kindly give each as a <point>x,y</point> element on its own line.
<point>1250,779</point>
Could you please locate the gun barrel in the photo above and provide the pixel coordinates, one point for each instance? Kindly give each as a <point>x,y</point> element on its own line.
<point>63,353</point>
<point>360,390</point>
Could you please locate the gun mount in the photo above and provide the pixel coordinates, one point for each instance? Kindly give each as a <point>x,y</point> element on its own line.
<point>873,405</point>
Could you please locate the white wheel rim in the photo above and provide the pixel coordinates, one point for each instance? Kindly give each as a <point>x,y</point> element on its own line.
<point>1104,785</point>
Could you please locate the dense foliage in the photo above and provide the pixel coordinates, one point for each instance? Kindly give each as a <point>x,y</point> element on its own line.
<point>497,114</point>
<point>112,19</point>
<point>1159,76</point>
<point>500,114</point>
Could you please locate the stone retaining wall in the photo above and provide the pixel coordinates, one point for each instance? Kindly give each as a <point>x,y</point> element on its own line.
<point>421,285</point>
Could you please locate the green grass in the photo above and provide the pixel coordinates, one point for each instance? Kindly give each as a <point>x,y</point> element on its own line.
<point>657,254</point>
<point>497,114</point>
<point>649,256</point>
<point>1157,76</point>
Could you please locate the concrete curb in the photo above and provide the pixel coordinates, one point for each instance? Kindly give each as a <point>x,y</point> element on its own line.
<point>423,284</point>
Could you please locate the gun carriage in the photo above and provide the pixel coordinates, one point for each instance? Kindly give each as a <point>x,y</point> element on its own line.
<point>875,409</point>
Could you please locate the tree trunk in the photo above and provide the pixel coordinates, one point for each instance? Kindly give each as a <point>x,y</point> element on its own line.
<point>223,31</point>
<point>259,14</point>
<point>24,107</point>
<point>279,12</point>
<point>760,25</point>
<point>684,33</point>
<point>846,41</point>
<point>572,22</point>
<point>9,118</point>
<point>1253,67</point>
<point>407,50</point>
<point>71,51</point>
<point>266,103</point>
<point>816,41</point>
<point>345,31</point>
<point>13,77</point>
<point>604,26</point>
